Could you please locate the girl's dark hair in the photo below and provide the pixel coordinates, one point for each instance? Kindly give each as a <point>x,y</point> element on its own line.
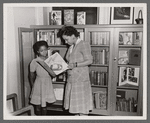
<point>37,46</point>
<point>68,30</point>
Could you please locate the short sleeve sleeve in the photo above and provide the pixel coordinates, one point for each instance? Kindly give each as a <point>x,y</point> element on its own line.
<point>33,66</point>
<point>86,50</point>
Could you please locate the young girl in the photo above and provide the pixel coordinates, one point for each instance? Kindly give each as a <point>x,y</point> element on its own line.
<point>42,89</point>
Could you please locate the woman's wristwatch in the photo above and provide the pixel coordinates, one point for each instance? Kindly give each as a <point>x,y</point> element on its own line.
<point>75,64</point>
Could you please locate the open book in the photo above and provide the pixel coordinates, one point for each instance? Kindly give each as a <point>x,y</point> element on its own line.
<point>56,63</point>
<point>129,76</point>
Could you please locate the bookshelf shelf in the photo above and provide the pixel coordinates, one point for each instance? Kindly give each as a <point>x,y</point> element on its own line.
<point>129,88</point>
<point>58,46</point>
<point>100,86</point>
<point>130,46</point>
<point>128,66</point>
<point>100,65</point>
<point>99,45</point>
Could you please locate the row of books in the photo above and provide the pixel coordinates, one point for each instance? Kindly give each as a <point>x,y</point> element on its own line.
<point>56,17</point>
<point>130,38</point>
<point>130,57</point>
<point>129,76</point>
<point>100,56</point>
<point>99,38</point>
<point>51,36</point>
<point>100,100</point>
<point>127,105</point>
<point>98,78</point>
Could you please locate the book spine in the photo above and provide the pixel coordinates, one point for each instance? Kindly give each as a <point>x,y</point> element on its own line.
<point>98,77</point>
<point>103,56</point>
<point>97,101</point>
<point>92,77</point>
<point>53,38</point>
<point>38,35</point>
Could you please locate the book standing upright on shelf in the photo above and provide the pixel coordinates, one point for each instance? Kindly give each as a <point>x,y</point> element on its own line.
<point>129,76</point>
<point>56,17</point>
<point>69,16</point>
<point>81,18</point>
<point>123,57</point>
<point>125,38</point>
<point>137,38</point>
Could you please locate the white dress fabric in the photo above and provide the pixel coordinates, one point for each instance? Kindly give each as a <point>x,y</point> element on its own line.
<point>42,90</point>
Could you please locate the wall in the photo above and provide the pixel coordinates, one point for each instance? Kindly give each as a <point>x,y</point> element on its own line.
<point>19,17</point>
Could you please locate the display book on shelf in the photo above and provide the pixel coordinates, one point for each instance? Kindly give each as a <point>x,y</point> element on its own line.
<point>129,56</point>
<point>129,62</point>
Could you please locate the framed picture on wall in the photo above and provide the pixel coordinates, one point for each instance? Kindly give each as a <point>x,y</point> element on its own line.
<point>121,15</point>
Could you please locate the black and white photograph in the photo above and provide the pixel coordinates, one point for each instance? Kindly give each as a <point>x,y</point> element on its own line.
<point>58,68</point>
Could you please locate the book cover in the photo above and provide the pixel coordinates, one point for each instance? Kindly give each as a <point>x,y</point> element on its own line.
<point>123,57</point>
<point>81,18</point>
<point>59,92</point>
<point>56,17</point>
<point>127,38</point>
<point>134,57</point>
<point>56,63</point>
<point>137,38</point>
<point>57,39</point>
<point>69,16</point>
<point>129,76</point>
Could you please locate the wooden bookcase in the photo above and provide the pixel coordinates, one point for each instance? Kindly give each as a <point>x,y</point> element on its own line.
<point>110,65</point>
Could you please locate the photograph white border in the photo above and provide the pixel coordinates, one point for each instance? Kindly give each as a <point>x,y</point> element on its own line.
<point>6,115</point>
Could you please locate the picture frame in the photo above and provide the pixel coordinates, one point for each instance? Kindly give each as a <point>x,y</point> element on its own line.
<point>121,15</point>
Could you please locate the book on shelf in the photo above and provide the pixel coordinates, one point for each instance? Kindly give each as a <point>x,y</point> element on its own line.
<point>99,38</point>
<point>100,99</point>
<point>56,17</point>
<point>129,76</point>
<point>100,56</point>
<point>125,38</point>
<point>81,18</point>
<point>98,77</point>
<point>81,34</point>
<point>123,57</point>
<point>59,93</point>
<point>69,16</point>
<point>137,38</point>
<point>56,63</point>
<point>134,57</point>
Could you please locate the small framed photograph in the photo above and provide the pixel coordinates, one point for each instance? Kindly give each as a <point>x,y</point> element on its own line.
<point>121,15</point>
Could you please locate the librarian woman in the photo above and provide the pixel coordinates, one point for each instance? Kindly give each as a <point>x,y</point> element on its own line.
<point>78,94</point>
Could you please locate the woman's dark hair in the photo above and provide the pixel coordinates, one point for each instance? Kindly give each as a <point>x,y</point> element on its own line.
<point>37,46</point>
<point>68,30</point>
